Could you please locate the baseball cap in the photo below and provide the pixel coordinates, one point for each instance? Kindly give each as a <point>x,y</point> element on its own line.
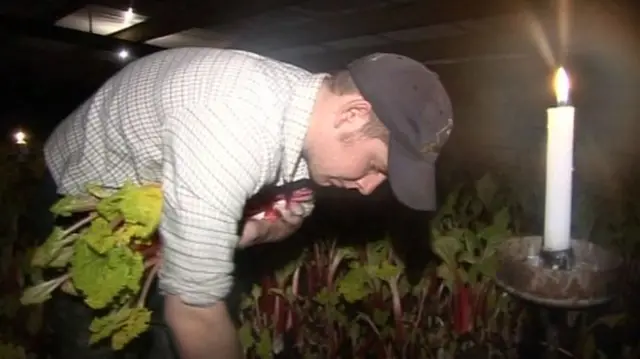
<point>412,103</point>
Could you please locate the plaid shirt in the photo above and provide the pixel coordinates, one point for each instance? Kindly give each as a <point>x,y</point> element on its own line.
<point>214,127</point>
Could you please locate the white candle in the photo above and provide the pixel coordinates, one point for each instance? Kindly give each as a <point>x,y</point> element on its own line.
<point>557,214</point>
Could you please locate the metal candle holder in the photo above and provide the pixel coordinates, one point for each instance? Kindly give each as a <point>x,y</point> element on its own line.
<point>583,277</point>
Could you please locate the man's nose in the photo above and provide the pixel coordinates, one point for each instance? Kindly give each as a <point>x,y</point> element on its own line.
<point>368,184</point>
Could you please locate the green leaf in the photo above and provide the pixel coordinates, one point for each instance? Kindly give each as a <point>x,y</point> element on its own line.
<point>51,248</point>
<point>450,203</point>
<point>380,317</point>
<point>385,271</point>
<point>256,292</point>
<point>99,191</point>
<point>445,273</point>
<point>462,275</point>
<point>264,349</point>
<point>467,257</point>
<point>245,334</point>
<point>471,240</point>
<point>347,252</point>
<point>73,204</point>
<point>487,267</point>
<point>122,325</point>
<point>62,259</point>
<point>502,218</point>
<point>41,292</point>
<point>447,248</point>
<point>354,285</point>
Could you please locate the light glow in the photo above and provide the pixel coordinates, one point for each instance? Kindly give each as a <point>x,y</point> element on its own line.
<point>123,54</point>
<point>561,86</point>
<point>20,137</point>
<point>128,16</point>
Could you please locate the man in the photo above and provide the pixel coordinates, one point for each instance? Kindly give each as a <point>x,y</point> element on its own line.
<point>216,126</point>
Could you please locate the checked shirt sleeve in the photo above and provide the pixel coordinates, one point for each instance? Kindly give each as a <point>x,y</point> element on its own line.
<point>214,159</point>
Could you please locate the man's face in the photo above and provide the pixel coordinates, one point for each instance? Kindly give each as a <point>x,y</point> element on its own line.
<point>339,155</point>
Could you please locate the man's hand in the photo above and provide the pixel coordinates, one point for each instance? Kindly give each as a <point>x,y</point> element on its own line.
<point>262,231</point>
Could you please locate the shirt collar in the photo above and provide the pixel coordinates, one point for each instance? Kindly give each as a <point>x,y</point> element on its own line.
<point>296,124</point>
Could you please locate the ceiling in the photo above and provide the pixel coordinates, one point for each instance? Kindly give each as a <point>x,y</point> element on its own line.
<point>84,41</point>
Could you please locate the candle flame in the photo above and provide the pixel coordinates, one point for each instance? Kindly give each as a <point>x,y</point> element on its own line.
<point>20,138</point>
<point>561,85</point>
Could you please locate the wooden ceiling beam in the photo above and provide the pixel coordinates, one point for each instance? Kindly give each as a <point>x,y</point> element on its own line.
<point>177,18</point>
<point>371,22</point>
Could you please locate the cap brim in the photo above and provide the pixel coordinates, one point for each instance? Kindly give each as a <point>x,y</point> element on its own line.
<point>413,181</point>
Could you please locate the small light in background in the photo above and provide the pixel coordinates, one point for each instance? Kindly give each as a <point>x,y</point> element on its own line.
<point>123,54</point>
<point>20,137</point>
<point>128,16</point>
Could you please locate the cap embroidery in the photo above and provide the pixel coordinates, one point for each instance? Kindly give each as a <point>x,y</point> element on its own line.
<point>441,138</point>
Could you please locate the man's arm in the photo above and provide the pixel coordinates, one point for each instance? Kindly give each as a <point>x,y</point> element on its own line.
<point>212,162</point>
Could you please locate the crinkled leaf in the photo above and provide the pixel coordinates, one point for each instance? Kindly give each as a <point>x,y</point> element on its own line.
<point>245,334</point>
<point>384,271</point>
<point>122,326</point>
<point>447,275</point>
<point>486,267</point>
<point>377,251</point>
<point>348,252</point>
<point>142,205</point>
<point>354,285</point>
<point>99,236</point>
<point>264,347</point>
<point>381,317</point>
<point>326,297</point>
<point>467,257</point>
<point>447,248</point>
<point>103,277</point>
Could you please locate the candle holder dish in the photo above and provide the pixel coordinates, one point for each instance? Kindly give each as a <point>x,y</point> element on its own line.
<point>562,259</point>
<point>591,281</point>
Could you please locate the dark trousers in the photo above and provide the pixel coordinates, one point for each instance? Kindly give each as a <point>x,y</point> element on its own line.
<point>68,317</point>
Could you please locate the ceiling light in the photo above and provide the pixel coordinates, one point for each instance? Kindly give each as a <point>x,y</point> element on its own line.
<point>128,16</point>
<point>123,54</point>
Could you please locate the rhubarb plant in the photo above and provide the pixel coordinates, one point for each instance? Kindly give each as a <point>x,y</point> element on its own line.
<point>109,258</point>
<point>465,236</point>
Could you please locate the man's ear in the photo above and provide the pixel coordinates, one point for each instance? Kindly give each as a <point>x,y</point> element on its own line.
<point>353,112</point>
